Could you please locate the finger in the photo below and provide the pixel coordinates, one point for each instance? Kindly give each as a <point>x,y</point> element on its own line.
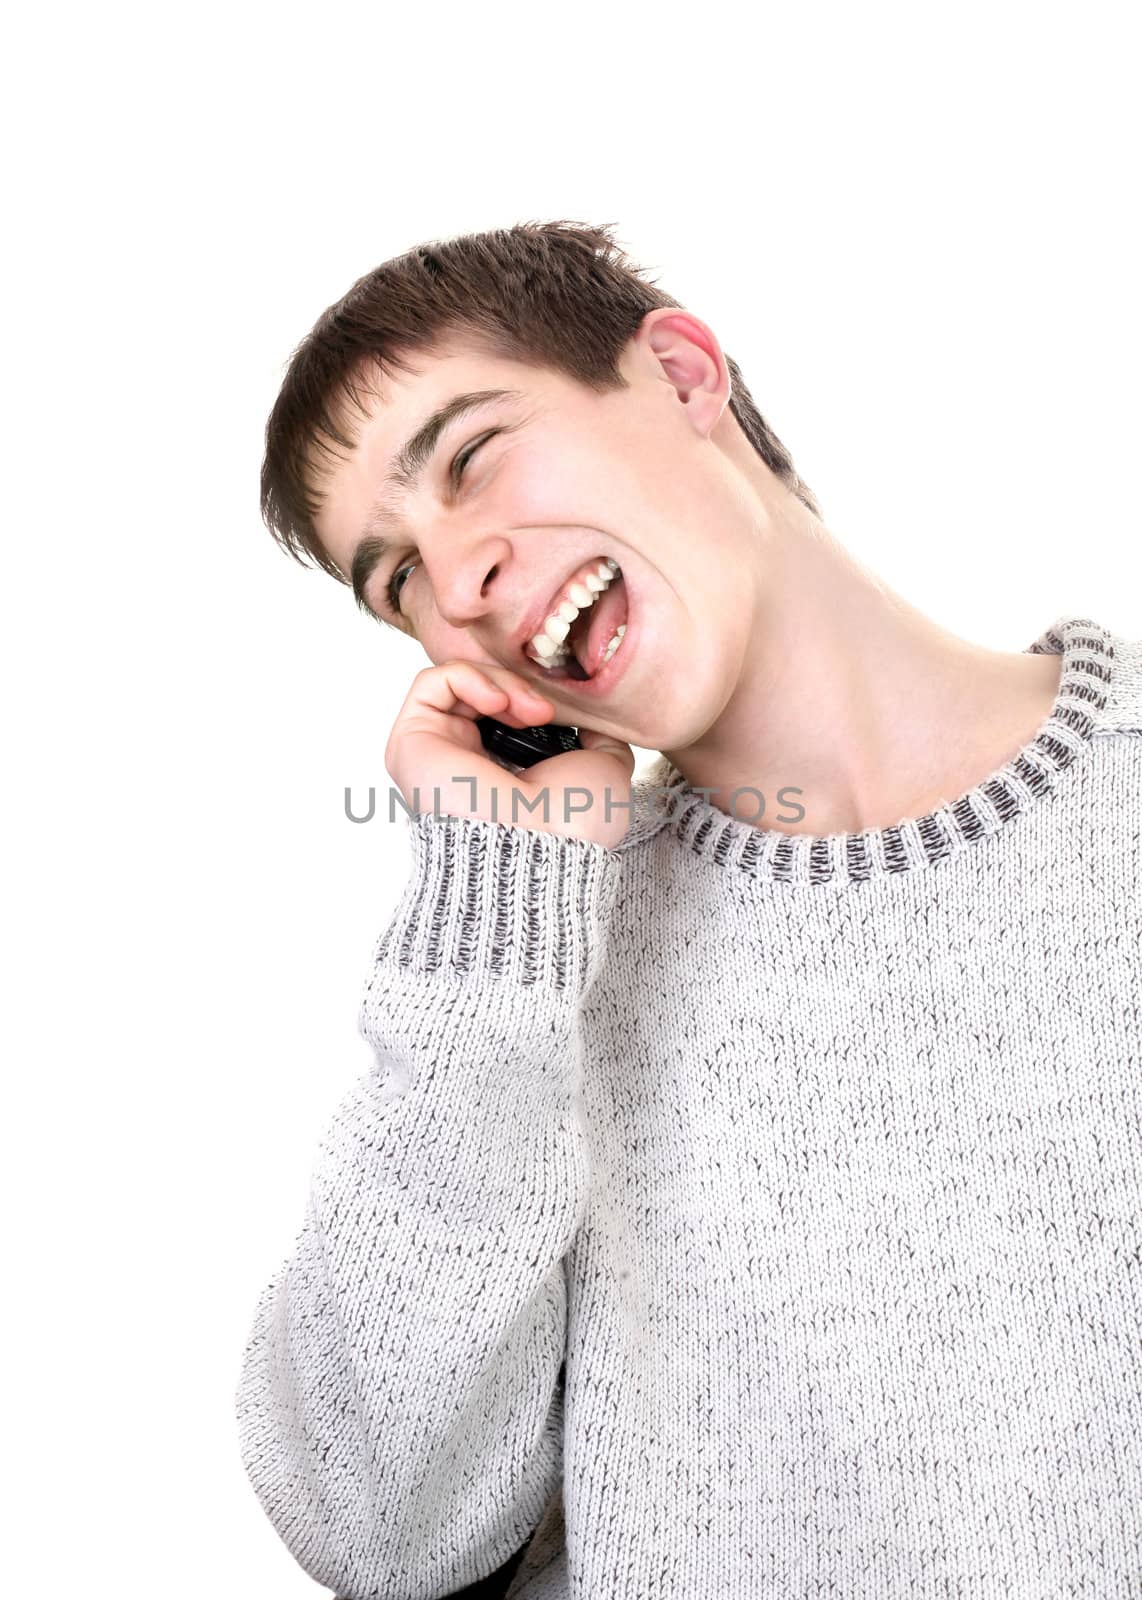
<point>462,688</point>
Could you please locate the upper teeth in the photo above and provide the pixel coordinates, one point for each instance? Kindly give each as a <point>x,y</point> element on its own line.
<point>578,596</point>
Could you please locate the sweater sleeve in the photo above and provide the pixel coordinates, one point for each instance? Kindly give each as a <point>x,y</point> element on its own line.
<point>400,1396</point>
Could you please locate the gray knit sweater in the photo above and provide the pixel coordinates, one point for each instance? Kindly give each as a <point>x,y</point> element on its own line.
<point>738,1214</point>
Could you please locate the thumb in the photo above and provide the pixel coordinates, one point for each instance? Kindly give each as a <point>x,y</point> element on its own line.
<point>591,739</point>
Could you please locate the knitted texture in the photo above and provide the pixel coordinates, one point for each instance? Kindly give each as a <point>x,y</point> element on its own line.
<point>737,1214</point>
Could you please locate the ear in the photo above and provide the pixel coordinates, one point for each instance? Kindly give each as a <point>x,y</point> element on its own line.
<point>685,352</point>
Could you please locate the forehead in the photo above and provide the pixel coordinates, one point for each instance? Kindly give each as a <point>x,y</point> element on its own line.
<point>393,406</point>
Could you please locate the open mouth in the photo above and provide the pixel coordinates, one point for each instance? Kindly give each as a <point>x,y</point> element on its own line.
<point>587,626</point>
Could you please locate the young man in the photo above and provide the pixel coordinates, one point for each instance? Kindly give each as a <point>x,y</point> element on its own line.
<point>747,1199</point>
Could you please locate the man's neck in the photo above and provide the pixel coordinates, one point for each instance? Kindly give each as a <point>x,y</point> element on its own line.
<point>860,708</point>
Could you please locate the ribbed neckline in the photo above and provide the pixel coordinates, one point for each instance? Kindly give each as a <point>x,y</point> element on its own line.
<point>912,844</point>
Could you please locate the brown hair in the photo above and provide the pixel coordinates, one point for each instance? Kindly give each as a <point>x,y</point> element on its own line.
<point>560,295</point>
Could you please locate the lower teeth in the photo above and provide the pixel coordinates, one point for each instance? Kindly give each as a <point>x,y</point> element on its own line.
<point>614,644</point>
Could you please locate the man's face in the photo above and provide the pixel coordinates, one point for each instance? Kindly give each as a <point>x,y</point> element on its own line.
<point>558,481</point>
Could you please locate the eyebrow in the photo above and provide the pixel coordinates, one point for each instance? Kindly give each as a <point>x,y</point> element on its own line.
<point>403,478</point>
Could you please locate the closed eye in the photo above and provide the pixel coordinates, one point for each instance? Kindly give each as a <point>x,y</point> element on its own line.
<point>462,457</point>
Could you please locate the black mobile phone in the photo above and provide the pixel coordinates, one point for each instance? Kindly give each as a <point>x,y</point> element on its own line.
<point>523,747</point>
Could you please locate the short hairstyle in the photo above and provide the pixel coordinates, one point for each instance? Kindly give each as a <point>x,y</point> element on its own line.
<point>559,295</point>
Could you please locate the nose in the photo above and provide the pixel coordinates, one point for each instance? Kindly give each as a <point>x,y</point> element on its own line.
<point>464,579</point>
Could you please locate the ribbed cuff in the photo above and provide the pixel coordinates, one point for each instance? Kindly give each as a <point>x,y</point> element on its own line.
<point>508,902</point>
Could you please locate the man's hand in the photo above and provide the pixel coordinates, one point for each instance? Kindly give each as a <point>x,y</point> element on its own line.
<point>435,741</point>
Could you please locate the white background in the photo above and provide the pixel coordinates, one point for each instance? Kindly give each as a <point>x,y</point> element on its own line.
<point>913,227</point>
